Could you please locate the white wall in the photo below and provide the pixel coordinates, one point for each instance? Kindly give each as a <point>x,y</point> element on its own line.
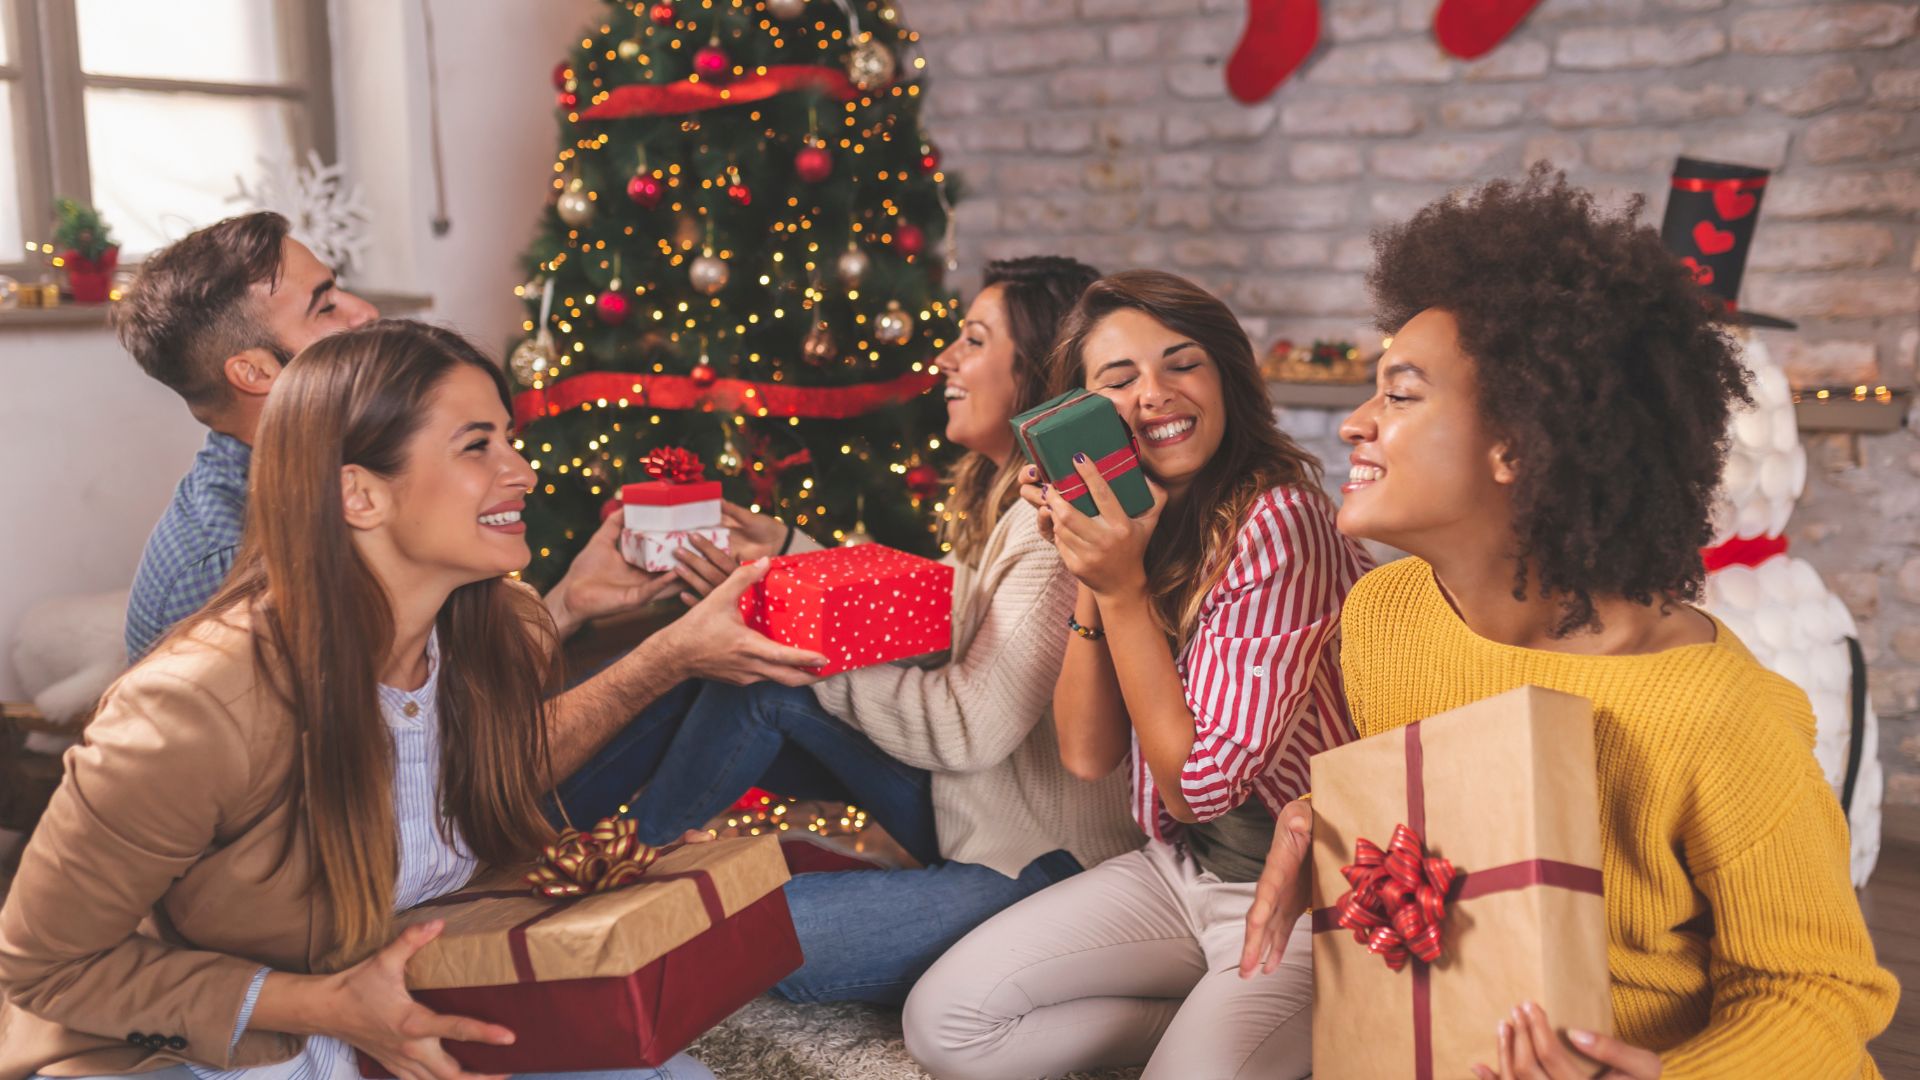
<point>92,449</point>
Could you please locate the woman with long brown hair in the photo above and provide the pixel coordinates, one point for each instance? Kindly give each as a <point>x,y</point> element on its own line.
<point>351,725</point>
<point>957,760</point>
<point>1203,647</point>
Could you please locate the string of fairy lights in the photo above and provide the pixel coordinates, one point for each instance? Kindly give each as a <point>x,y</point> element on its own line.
<point>660,280</point>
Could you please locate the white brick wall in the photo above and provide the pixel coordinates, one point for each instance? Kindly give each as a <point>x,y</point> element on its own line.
<point>1102,129</point>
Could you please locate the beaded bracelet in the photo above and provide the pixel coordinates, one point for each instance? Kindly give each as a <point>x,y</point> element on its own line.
<point>1091,633</point>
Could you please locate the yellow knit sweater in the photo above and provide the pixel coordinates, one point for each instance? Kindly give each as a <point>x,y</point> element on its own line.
<point>1734,940</point>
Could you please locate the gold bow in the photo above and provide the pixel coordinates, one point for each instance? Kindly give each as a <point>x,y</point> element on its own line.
<point>608,857</point>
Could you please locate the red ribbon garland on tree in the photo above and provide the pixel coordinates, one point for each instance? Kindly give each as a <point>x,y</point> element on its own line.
<point>675,392</point>
<point>687,96</point>
<point>1397,900</point>
<point>674,465</point>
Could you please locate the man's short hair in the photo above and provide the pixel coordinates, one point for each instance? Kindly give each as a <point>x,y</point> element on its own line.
<point>191,306</point>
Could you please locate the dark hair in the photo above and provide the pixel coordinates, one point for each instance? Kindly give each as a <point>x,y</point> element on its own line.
<point>1599,362</point>
<point>1037,292</point>
<point>1192,546</point>
<point>191,306</point>
<point>323,624</point>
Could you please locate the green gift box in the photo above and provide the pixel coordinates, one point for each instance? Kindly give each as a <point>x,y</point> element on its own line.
<point>1082,422</point>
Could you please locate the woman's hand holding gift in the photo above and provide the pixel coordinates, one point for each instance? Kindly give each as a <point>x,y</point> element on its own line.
<point>1528,1049</point>
<point>1106,553</point>
<point>754,536</point>
<point>1280,896</point>
<point>367,1007</point>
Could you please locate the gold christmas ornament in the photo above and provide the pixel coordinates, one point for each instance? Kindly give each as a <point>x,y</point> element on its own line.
<point>852,267</point>
<point>893,326</point>
<point>534,359</point>
<point>575,206</point>
<point>708,274</point>
<point>730,462</point>
<point>786,10</point>
<point>819,348</point>
<point>870,64</point>
<point>859,534</point>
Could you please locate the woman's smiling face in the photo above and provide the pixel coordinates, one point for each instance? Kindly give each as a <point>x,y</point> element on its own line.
<point>1165,387</point>
<point>1423,460</point>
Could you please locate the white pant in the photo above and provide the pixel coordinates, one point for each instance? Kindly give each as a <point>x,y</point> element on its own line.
<point>1136,960</point>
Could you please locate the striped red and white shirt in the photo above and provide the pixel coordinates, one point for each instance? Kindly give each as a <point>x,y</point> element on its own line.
<point>1262,670</point>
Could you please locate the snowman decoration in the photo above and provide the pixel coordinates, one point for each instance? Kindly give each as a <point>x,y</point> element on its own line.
<point>1777,604</point>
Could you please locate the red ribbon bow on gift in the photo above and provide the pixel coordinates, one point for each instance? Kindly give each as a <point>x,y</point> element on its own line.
<point>674,465</point>
<point>1397,899</point>
<point>578,863</point>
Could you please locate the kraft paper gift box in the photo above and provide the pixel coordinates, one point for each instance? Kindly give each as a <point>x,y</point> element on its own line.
<point>661,516</point>
<point>1506,791</point>
<point>1082,422</point>
<point>621,979</point>
<point>858,606</point>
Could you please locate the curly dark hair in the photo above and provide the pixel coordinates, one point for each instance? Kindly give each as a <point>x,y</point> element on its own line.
<point>1603,365</point>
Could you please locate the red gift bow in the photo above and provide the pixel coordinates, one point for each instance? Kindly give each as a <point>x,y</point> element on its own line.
<point>674,465</point>
<point>606,858</point>
<point>1398,898</point>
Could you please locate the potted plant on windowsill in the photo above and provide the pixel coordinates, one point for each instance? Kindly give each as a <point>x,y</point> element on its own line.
<point>87,251</point>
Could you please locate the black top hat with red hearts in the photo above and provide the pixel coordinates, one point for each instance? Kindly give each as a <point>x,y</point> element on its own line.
<point>1711,212</point>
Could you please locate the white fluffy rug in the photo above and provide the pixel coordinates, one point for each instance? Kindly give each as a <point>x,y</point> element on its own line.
<point>772,1039</point>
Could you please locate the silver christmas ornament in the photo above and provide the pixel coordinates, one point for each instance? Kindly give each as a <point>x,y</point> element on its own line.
<point>870,64</point>
<point>533,359</point>
<point>708,274</point>
<point>786,10</point>
<point>853,266</point>
<point>576,209</point>
<point>893,326</point>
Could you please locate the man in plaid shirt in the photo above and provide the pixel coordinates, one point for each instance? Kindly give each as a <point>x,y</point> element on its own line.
<point>215,316</point>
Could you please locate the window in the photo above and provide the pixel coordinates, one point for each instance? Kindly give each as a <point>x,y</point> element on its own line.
<point>153,112</point>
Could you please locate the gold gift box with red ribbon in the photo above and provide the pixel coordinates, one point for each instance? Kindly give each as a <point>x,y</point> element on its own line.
<point>1456,874</point>
<point>610,954</point>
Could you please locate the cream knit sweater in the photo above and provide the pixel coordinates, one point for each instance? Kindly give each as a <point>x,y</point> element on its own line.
<point>982,723</point>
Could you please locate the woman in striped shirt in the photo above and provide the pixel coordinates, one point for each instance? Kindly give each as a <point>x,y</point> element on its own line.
<point>1204,651</point>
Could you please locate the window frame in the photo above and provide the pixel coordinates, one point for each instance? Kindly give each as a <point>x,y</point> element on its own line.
<point>46,72</point>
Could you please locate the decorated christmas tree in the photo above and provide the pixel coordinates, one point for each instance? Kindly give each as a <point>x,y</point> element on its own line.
<point>736,260</point>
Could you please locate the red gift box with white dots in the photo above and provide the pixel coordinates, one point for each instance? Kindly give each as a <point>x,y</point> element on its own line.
<point>858,606</point>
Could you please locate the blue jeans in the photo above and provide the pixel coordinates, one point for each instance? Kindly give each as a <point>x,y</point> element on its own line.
<point>685,758</point>
<point>868,935</point>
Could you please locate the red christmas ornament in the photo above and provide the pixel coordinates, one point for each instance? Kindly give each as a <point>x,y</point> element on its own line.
<point>739,194</point>
<point>703,375</point>
<point>645,189</point>
<point>923,481</point>
<point>561,72</point>
<point>813,164</point>
<point>612,307</point>
<point>662,14</point>
<point>569,100</point>
<point>930,161</point>
<point>711,62</point>
<point>910,239</point>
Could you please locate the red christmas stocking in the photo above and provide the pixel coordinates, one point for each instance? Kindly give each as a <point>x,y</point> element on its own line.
<point>1279,35</point>
<point>1471,28</point>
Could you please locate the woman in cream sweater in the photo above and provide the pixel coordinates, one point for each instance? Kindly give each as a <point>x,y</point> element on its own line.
<point>957,761</point>
<point>1545,441</point>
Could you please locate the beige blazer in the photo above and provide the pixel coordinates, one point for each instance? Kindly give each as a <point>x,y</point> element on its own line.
<point>153,890</point>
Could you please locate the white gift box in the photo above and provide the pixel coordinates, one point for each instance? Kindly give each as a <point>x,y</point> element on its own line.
<point>652,551</point>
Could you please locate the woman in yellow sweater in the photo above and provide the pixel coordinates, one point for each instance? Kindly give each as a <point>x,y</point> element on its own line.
<point>1545,440</point>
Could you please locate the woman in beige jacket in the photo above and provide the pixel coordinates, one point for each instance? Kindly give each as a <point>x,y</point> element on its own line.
<point>210,893</point>
<point>958,761</point>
